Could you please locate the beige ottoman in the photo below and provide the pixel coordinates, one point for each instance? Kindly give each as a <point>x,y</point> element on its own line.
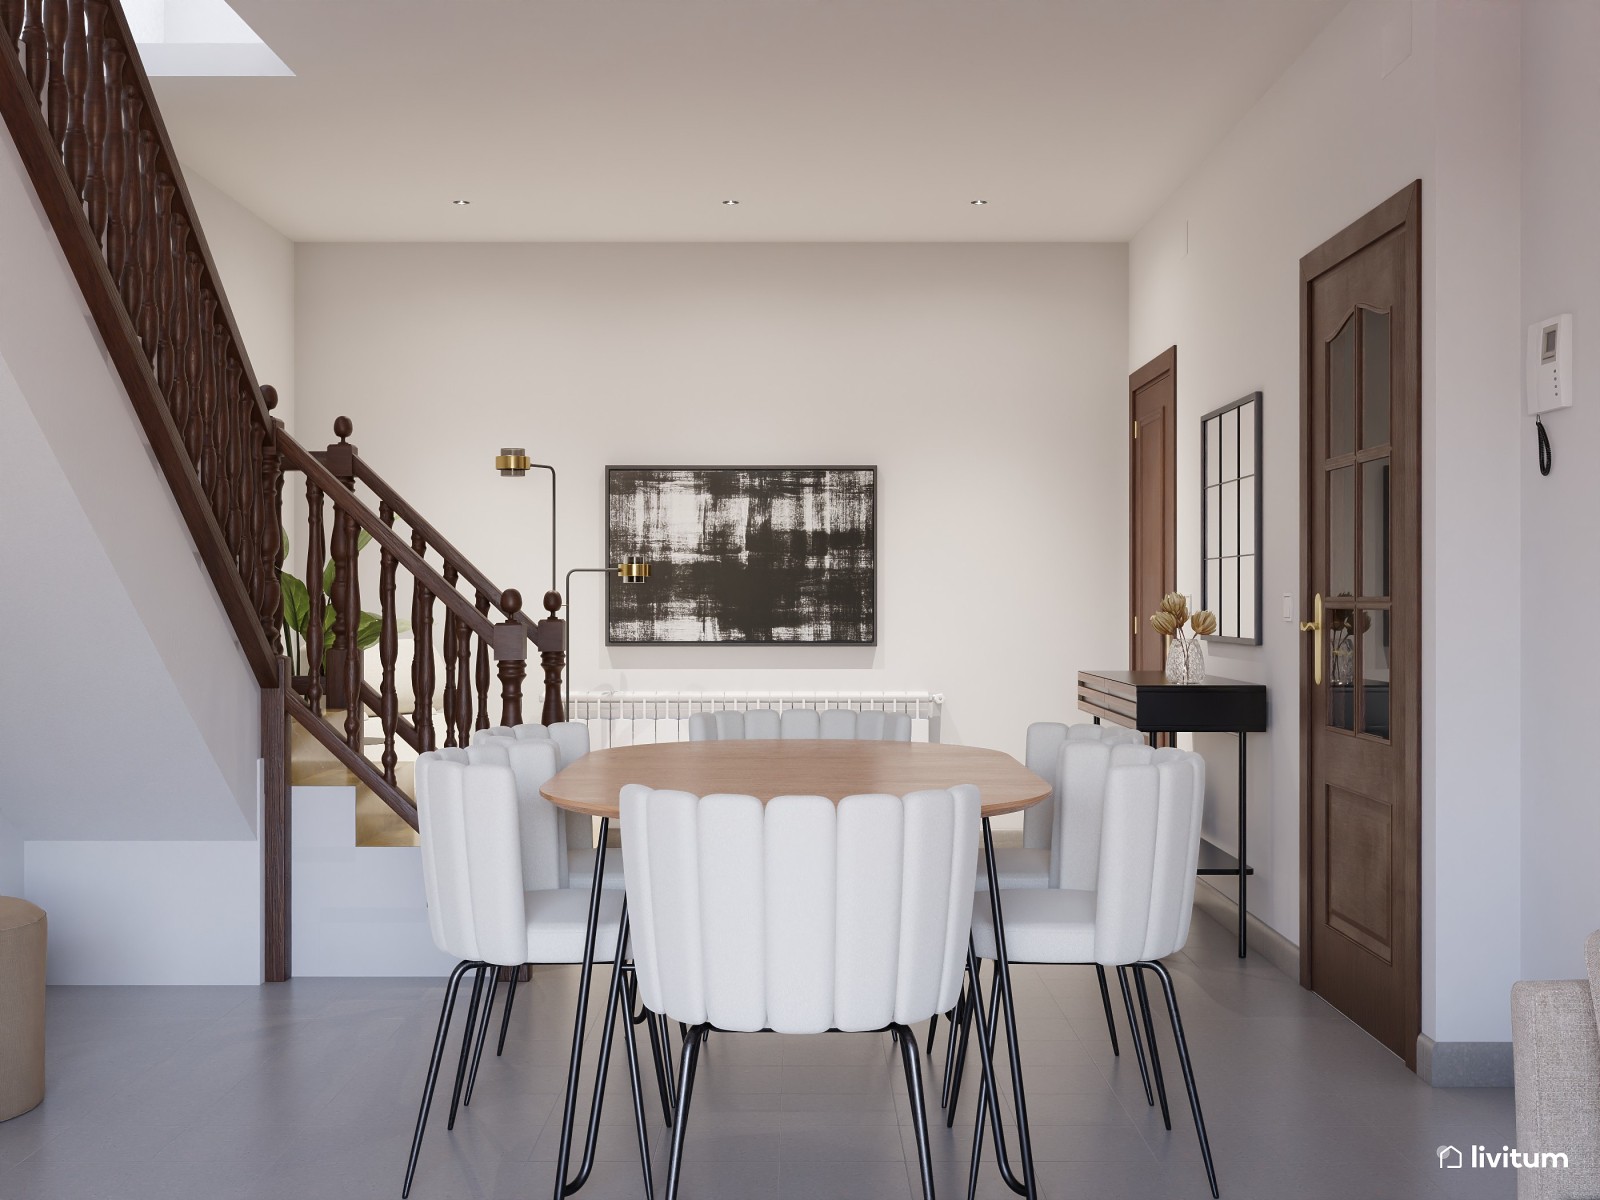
<point>22,939</point>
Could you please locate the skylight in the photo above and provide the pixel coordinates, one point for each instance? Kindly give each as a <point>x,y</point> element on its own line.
<point>198,37</point>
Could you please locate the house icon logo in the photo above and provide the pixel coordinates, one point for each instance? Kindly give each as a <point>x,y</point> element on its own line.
<point>1449,1156</point>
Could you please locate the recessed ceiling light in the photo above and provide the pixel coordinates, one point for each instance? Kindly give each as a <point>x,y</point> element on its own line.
<point>731,203</point>
<point>461,203</point>
<point>980,202</point>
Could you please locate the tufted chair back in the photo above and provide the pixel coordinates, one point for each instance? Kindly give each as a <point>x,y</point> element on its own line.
<point>1043,758</point>
<point>467,819</point>
<point>571,742</point>
<point>542,826</point>
<point>800,915</point>
<point>842,724</point>
<point>1149,848</point>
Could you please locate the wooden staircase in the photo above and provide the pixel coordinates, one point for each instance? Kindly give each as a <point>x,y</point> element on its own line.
<point>79,107</point>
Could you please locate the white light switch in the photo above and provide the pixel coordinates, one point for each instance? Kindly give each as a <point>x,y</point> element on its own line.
<point>1288,607</point>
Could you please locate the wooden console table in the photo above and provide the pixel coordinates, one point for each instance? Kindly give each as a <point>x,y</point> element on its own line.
<point>1145,701</point>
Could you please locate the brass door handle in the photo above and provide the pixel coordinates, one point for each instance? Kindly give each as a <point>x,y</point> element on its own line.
<point>1314,627</point>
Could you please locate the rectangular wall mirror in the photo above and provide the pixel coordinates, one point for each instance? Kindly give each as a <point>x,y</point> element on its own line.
<point>1230,534</point>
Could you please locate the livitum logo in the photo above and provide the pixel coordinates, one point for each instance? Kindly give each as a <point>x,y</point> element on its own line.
<point>1450,1158</point>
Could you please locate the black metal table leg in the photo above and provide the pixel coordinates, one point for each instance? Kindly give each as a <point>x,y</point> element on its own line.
<point>586,972</point>
<point>1244,844</point>
<point>1009,1014</point>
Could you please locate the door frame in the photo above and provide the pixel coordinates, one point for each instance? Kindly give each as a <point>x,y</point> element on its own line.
<point>1402,212</point>
<point>1165,363</point>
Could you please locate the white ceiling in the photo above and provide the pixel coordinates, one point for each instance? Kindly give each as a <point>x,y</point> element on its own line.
<point>632,120</point>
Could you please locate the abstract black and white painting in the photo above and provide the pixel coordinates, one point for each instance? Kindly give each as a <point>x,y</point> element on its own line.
<point>744,555</point>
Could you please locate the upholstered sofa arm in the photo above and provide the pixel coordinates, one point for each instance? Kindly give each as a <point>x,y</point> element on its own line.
<point>1557,1048</point>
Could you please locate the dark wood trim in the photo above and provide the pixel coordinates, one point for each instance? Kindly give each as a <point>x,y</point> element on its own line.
<point>275,822</point>
<point>297,458</point>
<point>58,198</point>
<point>435,540</point>
<point>1165,363</point>
<point>1403,212</point>
<point>357,765</point>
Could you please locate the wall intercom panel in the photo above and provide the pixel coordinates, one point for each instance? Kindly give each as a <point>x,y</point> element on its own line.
<point>1550,384</point>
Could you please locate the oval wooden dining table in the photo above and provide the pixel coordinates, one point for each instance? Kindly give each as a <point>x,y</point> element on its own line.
<point>592,787</point>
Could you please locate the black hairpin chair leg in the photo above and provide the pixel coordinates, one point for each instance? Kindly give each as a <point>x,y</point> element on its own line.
<point>1188,1068</point>
<point>466,1041</point>
<point>505,1019</point>
<point>919,1107</point>
<point>1133,1030</point>
<point>691,1055</point>
<point>1105,1002</point>
<point>446,1010</point>
<point>957,1018</point>
<point>1150,1041</point>
<point>483,1036</point>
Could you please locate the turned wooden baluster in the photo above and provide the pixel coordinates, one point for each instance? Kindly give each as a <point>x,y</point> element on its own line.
<point>257,483</point>
<point>339,598</point>
<point>450,683</point>
<point>422,652</point>
<point>193,370</point>
<point>231,434</point>
<point>463,688</point>
<point>128,196</point>
<point>316,555</point>
<point>220,411</point>
<point>94,118</point>
<point>483,670</point>
<point>55,97</point>
<point>114,154</point>
<point>388,645</point>
<point>511,649</point>
<point>206,462</point>
<point>145,245</point>
<point>75,64</point>
<point>269,533</point>
<point>163,284</point>
<point>351,611</point>
<point>35,53</point>
<point>178,393</point>
<point>11,19</point>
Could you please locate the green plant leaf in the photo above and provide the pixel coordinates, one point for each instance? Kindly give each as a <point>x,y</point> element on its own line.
<point>368,630</point>
<point>296,603</point>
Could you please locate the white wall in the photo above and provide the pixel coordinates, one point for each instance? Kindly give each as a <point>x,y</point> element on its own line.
<point>130,721</point>
<point>256,266</point>
<point>171,912</point>
<point>987,383</point>
<point>10,859</point>
<point>1560,556</point>
<point>1386,94</point>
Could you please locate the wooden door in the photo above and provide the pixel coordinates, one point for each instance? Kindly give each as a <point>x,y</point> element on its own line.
<point>1360,683</point>
<point>1152,504</point>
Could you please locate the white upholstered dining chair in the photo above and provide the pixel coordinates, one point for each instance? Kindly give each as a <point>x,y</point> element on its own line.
<point>1060,841</point>
<point>1129,905</point>
<point>493,870</point>
<point>800,915</point>
<point>841,724</point>
<point>571,742</point>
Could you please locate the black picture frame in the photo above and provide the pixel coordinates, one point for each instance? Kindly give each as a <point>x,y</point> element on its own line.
<point>843,596</point>
<point>1230,520</point>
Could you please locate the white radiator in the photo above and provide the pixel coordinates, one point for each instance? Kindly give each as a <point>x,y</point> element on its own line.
<point>642,718</point>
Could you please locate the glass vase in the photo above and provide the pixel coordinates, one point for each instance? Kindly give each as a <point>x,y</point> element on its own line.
<point>1186,661</point>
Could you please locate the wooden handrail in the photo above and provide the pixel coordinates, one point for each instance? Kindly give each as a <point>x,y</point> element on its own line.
<point>82,115</point>
<point>352,761</point>
<point>297,458</point>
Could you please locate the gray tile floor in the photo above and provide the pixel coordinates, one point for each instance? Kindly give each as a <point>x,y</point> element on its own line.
<point>309,1089</point>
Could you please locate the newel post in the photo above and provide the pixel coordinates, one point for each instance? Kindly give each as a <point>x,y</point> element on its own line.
<point>511,657</point>
<point>550,635</point>
<point>344,656</point>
